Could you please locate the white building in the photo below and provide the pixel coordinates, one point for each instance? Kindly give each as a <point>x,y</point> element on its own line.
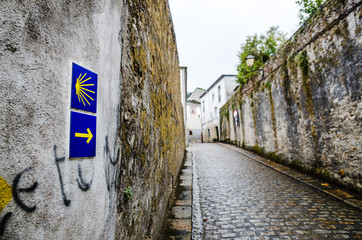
<point>193,124</point>
<point>211,101</point>
<point>183,86</point>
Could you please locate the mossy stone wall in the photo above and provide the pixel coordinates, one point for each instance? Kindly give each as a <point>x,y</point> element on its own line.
<point>306,111</point>
<point>152,132</point>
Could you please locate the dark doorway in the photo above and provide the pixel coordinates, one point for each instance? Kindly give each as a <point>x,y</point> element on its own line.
<point>217,133</point>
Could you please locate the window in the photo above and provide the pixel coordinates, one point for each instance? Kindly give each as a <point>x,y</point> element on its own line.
<point>212,97</point>
<point>208,132</point>
<point>190,133</point>
<point>203,106</point>
<point>219,92</point>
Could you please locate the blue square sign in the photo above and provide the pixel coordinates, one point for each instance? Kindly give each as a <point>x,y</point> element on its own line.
<point>83,129</point>
<point>84,89</point>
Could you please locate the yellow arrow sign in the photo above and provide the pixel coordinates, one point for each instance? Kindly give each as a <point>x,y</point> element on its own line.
<point>88,135</point>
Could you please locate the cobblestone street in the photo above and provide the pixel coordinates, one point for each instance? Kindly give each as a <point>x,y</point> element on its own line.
<point>239,198</point>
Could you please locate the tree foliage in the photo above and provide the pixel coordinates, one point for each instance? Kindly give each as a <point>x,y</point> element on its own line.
<point>261,47</point>
<point>308,7</point>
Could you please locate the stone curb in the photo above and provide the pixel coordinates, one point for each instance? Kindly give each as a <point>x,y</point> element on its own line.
<point>179,223</point>
<point>349,198</point>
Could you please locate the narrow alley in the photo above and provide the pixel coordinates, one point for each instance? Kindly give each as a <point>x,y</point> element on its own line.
<point>133,119</point>
<point>240,198</point>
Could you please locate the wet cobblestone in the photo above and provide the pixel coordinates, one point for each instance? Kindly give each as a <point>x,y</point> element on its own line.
<point>242,199</point>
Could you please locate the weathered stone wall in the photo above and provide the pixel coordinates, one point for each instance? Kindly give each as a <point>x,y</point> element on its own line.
<point>140,136</point>
<point>152,132</point>
<point>306,111</point>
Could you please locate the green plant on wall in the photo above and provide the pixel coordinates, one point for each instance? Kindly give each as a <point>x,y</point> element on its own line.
<point>261,47</point>
<point>304,64</point>
<point>128,193</point>
<point>224,112</point>
<point>307,8</point>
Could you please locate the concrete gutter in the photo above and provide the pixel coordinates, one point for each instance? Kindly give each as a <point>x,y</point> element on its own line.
<point>179,222</point>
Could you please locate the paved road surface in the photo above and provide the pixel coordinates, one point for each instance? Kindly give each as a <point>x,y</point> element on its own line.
<point>239,198</point>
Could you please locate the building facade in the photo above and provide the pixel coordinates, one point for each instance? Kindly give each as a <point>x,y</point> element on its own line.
<point>211,101</point>
<point>183,86</point>
<point>193,123</point>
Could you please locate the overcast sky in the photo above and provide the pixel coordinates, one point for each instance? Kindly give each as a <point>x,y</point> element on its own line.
<point>209,33</point>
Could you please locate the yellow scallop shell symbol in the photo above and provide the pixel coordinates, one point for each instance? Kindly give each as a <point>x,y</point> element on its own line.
<point>81,89</point>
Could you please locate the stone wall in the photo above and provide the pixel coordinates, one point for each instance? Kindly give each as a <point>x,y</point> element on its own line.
<point>140,139</point>
<point>152,132</point>
<point>306,110</point>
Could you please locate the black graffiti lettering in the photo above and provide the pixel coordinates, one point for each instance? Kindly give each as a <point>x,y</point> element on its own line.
<point>113,160</point>
<point>116,159</point>
<point>15,191</point>
<point>30,189</point>
<point>57,162</point>
<point>110,170</point>
<point>84,186</point>
<point>4,221</point>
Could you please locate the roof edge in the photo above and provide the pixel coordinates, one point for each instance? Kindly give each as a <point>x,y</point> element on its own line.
<point>217,80</point>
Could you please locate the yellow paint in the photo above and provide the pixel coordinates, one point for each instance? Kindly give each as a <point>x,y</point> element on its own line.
<point>88,135</point>
<point>325,184</point>
<point>5,193</point>
<point>80,89</point>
